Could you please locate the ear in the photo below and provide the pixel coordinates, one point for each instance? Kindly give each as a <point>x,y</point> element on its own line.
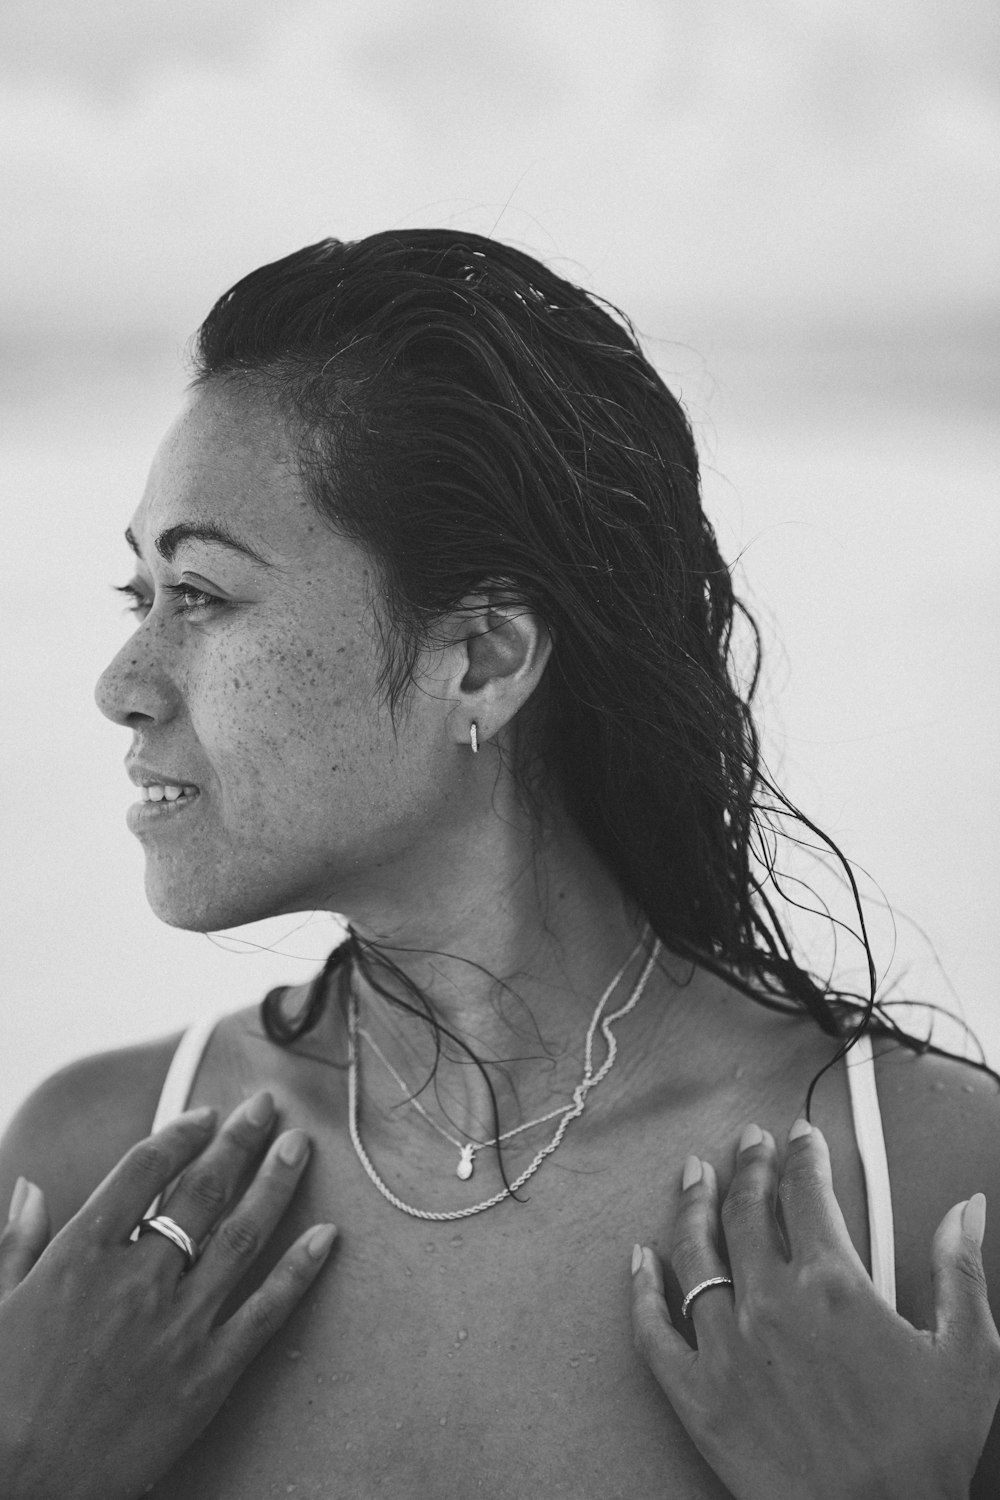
<point>505,649</point>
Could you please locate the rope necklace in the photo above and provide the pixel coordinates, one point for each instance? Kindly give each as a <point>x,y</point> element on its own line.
<point>571,1111</point>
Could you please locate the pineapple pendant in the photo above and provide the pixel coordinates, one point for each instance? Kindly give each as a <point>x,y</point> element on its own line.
<point>465,1164</point>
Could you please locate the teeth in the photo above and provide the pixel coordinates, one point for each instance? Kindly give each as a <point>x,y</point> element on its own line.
<point>159,793</point>
<point>171,793</point>
<point>154,793</point>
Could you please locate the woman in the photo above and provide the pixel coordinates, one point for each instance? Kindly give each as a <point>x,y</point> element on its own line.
<point>433,631</point>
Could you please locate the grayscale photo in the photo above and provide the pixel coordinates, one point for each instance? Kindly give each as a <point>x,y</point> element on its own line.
<point>500,724</point>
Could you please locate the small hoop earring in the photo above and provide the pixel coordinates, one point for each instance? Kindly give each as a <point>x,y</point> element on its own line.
<point>474,737</point>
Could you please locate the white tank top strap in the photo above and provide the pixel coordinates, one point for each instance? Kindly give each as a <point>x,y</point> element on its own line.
<point>178,1083</point>
<point>182,1071</point>
<point>860,1064</point>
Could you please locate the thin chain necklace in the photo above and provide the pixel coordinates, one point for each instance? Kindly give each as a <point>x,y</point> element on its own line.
<point>467,1149</point>
<point>571,1111</point>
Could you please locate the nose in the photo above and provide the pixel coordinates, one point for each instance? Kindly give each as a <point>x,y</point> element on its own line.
<point>134,688</point>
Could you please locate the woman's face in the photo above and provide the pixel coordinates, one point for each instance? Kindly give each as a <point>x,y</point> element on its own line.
<point>249,683</point>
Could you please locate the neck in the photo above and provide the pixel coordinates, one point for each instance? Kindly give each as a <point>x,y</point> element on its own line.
<point>511,952</point>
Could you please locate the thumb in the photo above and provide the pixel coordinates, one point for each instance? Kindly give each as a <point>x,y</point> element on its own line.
<point>25,1236</point>
<point>961,1302</point>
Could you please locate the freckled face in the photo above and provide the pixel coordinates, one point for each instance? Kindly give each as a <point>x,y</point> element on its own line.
<point>252,678</point>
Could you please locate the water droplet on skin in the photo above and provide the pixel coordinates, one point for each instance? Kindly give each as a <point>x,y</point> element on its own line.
<point>407,1271</point>
<point>574,1363</point>
<point>456,1240</point>
<point>293,1353</point>
<point>443,1422</point>
<point>430,1247</point>
<point>462,1335</point>
<point>592,1359</point>
<point>399,1426</point>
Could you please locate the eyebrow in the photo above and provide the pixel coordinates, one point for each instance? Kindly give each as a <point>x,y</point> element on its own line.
<point>168,541</point>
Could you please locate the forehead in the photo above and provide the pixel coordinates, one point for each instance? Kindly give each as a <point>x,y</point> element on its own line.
<point>230,460</point>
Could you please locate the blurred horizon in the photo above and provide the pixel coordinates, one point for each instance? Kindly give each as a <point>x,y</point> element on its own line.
<point>827,158</point>
<point>798,207</point>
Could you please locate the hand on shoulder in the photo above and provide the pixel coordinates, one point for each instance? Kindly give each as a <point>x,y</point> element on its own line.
<point>804,1380</point>
<point>74,1128</point>
<point>114,1353</point>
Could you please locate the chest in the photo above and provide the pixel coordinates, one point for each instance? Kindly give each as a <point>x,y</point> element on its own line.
<point>438,1363</point>
<point>488,1356</point>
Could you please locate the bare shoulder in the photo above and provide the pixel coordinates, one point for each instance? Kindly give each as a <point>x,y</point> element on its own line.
<point>942,1127</point>
<point>941,1119</point>
<point>70,1132</point>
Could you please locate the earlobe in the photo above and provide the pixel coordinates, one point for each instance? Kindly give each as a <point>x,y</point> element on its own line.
<point>506,649</point>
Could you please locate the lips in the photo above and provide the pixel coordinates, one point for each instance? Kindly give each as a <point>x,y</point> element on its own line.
<point>155,784</point>
<point>161,795</point>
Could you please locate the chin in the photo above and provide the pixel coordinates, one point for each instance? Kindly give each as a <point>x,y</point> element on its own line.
<point>207,908</point>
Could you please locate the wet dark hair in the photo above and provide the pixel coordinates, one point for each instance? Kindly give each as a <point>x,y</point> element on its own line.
<point>482,425</point>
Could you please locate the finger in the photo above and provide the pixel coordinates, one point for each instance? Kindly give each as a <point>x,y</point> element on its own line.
<point>961,1301</point>
<point>25,1236</point>
<point>115,1207</point>
<point>655,1337</point>
<point>210,1184</point>
<point>811,1214</point>
<point>240,1339</point>
<point>695,1254</point>
<point>754,1246</point>
<point>240,1238</point>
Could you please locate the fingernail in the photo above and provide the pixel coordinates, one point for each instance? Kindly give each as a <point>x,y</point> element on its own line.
<point>260,1109</point>
<point>636,1258</point>
<point>800,1128</point>
<point>293,1147</point>
<point>319,1242</point>
<point>18,1199</point>
<point>692,1173</point>
<point>203,1116</point>
<point>752,1136</point>
<point>974,1218</point>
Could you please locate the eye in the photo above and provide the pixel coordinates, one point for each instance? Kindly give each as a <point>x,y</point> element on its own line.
<point>138,603</point>
<point>190,600</point>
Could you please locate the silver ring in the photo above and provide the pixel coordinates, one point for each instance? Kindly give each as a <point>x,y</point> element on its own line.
<point>173,1232</point>
<point>703,1286</point>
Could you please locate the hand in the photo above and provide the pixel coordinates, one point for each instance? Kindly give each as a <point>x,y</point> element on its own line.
<point>111,1362</point>
<point>805,1383</point>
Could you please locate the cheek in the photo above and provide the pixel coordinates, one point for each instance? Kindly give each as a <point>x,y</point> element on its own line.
<point>288,719</point>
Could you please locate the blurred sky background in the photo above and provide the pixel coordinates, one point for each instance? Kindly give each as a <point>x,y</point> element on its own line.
<point>797,202</point>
